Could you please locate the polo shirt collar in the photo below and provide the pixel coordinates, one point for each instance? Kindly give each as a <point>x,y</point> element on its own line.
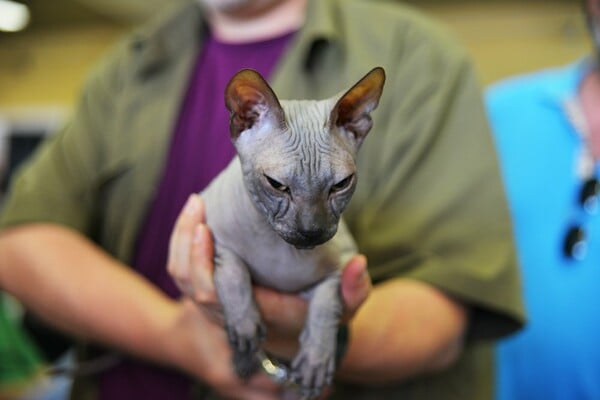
<point>319,30</point>
<point>320,23</point>
<point>565,96</point>
<point>158,42</point>
<point>566,89</point>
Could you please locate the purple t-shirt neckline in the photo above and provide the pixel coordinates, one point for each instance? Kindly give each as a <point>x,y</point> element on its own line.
<point>199,150</point>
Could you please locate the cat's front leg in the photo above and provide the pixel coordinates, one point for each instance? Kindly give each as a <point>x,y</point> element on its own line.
<point>314,365</point>
<point>244,327</point>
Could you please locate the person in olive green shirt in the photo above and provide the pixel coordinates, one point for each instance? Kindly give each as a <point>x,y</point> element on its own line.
<point>429,212</point>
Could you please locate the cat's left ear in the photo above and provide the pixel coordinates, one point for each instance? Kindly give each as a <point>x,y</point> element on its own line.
<point>352,110</point>
<point>251,101</point>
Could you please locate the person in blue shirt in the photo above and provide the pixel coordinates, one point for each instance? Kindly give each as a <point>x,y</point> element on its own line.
<point>547,130</point>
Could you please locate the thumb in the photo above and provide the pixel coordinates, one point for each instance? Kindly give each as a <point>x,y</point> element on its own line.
<point>356,284</point>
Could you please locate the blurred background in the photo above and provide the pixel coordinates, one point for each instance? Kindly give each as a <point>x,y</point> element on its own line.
<point>47,48</point>
<point>46,53</point>
<point>44,64</point>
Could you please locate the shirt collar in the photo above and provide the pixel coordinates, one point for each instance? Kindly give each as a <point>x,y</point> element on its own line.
<point>567,87</point>
<point>160,41</point>
<point>320,22</point>
<point>566,96</point>
<point>157,43</point>
<point>317,36</point>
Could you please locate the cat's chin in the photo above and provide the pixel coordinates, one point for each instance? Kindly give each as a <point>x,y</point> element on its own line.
<point>305,247</point>
<point>303,244</point>
<point>306,242</point>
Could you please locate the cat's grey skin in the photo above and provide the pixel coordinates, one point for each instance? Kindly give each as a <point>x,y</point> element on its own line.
<point>275,213</point>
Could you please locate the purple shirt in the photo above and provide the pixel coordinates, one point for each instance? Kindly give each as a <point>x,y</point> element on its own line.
<point>199,150</point>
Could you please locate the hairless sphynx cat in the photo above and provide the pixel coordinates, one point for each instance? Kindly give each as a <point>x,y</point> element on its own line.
<point>275,213</point>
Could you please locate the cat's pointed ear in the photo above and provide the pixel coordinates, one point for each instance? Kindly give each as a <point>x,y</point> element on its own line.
<point>251,101</point>
<point>352,110</point>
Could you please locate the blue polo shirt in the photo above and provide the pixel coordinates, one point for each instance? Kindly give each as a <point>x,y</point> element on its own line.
<point>543,159</point>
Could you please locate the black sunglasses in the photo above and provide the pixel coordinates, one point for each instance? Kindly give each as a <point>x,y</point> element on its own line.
<point>575,243</point>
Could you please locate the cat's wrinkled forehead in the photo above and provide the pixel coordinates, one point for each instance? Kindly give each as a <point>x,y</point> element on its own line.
<point>308,118</point>
<point>308,146</point>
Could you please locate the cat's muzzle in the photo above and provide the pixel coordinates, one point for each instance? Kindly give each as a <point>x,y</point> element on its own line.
<point>305,240</point>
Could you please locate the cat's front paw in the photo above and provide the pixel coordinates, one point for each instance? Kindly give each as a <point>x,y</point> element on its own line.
<point>313,369</point>
<point>245,338</point>
<point>245,364</point>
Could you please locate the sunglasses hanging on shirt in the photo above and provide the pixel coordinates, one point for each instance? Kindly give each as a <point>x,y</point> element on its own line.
<point>575,243</point>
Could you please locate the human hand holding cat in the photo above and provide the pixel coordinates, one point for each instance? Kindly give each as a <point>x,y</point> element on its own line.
<point>275,214</point>
<point>191,266</point>
<point>202,349</point>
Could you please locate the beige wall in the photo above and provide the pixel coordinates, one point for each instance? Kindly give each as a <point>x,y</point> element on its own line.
<point>509,37</point>
<point>47,67</point>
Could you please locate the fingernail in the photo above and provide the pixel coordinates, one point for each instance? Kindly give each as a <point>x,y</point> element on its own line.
<point>202,240</point>
<point>191,205</point>
<point>364,277</point>
<point>198,232</point>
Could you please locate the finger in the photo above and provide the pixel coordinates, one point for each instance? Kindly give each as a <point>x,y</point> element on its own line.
<point>262,381</point>
<point>259,395</point>
<point>356,284</point>
<point>214,312</point>
<point>264,386</point>
<point>180,240</point>
<point>245,393</point>
<point>262,395</point>
<point>257,387</point>
<point>191,216</point>
<point>202,267</point>
<point>282,312</point>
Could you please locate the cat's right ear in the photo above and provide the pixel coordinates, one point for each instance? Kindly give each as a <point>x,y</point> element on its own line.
<point>251,101</point>
<point>352,111</point>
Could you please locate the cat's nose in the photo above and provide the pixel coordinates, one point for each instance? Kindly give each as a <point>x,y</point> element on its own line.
<point>311,234</point>
<point>308,238</point>
<point>313,237</point>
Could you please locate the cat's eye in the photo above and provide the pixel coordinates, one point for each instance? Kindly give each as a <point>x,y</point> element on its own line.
<point>343,184</point>
<point>280,187</point>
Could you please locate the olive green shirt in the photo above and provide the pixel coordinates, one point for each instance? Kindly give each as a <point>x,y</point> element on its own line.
<point>429,204</point>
